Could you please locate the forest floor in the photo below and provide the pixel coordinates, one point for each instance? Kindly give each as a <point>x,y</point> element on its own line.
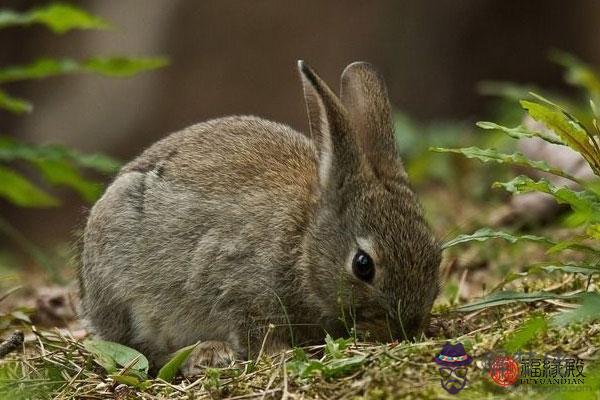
<point>53,362</point>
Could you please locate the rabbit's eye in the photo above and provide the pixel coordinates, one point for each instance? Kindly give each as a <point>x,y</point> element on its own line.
<point>363,266</point>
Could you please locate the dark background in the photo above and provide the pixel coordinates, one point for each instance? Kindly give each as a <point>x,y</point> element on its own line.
<point>239,57</point>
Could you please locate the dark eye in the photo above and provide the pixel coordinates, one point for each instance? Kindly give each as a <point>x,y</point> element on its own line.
<point>363,266</point>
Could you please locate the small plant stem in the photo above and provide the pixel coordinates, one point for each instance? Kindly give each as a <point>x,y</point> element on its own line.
<point>285,394</point>
<point>287,319</point>
<point>264,342</point>
<point>398,312</point>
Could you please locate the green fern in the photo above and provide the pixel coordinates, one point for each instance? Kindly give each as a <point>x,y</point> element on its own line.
<point>566,130</point>
<point>56,165</point>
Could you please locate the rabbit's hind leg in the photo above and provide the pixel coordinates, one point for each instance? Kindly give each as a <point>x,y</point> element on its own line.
<point>208,354</point>
<point>110,321</point>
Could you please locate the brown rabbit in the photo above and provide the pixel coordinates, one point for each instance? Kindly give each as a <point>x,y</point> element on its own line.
<point>228,226</point>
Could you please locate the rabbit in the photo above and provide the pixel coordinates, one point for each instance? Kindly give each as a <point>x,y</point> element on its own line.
<point>247,237</point>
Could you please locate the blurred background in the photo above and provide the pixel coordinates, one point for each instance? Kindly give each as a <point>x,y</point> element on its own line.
<point>239,57</point>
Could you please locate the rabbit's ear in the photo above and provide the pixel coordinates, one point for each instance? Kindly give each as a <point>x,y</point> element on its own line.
<point>338,151</point>
<point>364,95</point>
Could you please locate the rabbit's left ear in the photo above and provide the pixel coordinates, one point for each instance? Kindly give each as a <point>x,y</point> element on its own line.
<point>364,95</point>
<point>339,152</point>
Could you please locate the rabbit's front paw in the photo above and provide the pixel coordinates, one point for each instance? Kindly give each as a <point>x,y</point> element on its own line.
<point>208,354</point>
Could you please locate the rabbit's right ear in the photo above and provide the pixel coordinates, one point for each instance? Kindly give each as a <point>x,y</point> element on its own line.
<point>329,128</point>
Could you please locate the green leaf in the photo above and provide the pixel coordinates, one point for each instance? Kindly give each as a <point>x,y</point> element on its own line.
<point>212,379</point>
<point>548,268</point>
<point>583,202</point>
<point>506,90</point>
<point>41,68</point>
<point>98,162</point>
<point>531,328</point>
<point>12,150</point>
<point>138,382</point>
<point>13,104</point>
<point>299,354</point>
<point>107,66</point>
<point>61,172</point>
<point>59,165</point>
<point>520,132</point>
<point>343,366</point>
<point>593,231</point>
<point>170,369</point>
<point>112,355</point>
<point>21,316</point>
<point>20,191</point>
<point>595,110</point>
<point>574,243</point>
<point>334,365</point>
<point>305,369</point>
<point>335,348</point>
<point>491,155</point>
<point>567,127</point>
<point>508,297</point>
<point>577,72</point>
<point>123,66</point>
<point>58,17</point>
<point>126,379</point>
<point>589,310</point>
<point>574,268</point>
<point>331,369</point>
<point>485,234</point>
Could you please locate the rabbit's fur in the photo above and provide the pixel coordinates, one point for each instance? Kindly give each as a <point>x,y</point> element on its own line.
<point>228,226</point>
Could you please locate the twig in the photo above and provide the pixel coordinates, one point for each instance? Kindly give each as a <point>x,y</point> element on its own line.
<point>474,314</point>
<point>12,343</point>
<point>264,343</point>
<point>271,380</point>
<point>285,394</point>
<point>38,336</point>
<point>175,387</point>
<point>254,395</point>
<point>463,279</point>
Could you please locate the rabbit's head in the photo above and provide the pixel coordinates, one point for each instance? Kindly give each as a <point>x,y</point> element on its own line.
<point>369,251</point>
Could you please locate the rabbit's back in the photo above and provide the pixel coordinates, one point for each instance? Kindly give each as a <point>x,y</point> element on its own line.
<point>185,241</point>
<point>241,151</point>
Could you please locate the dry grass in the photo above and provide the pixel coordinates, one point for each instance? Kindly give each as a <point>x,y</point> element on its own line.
<point>53,364</point>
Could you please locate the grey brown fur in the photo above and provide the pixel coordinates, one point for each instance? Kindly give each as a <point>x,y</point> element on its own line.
<point>221,229</point>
